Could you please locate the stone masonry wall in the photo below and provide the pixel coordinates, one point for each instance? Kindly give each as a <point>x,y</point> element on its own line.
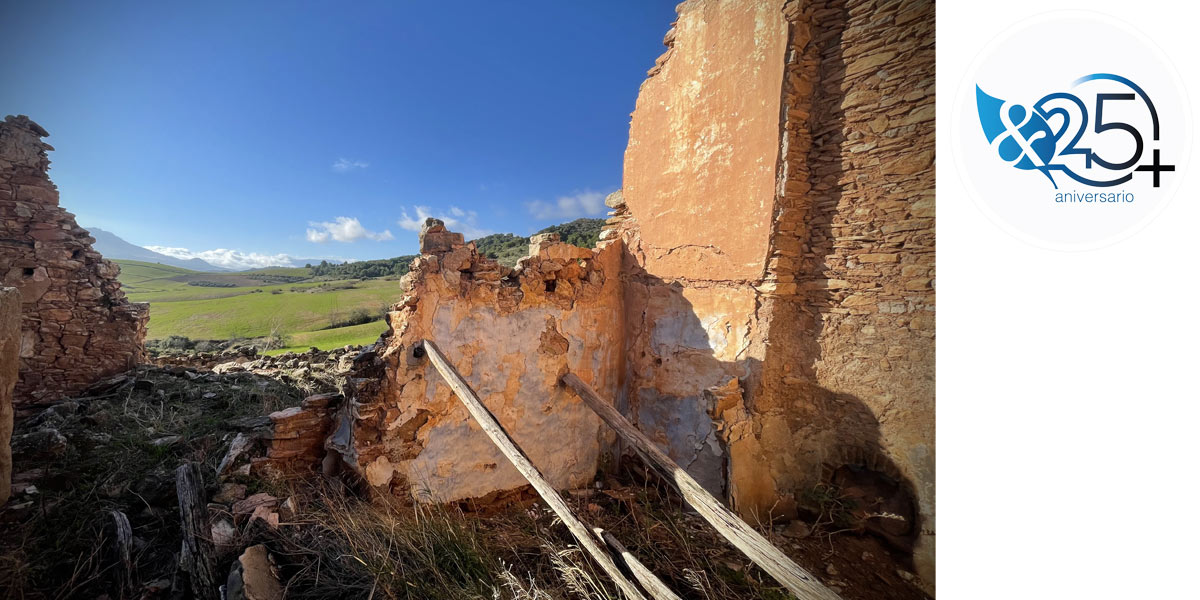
<point>770,364</point>
<point>511,333</point>
<point>761,302</point>
<point>10,344</point>
<point>855,231</point>
<point>77,326</point>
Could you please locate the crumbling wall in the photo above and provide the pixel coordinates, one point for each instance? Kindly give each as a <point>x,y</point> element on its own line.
<point>77,326</point>
<point>699,182</point>
<point>511,333</point>
<point>761,303</point>
<point>10,343</point>
<point>778,210</point>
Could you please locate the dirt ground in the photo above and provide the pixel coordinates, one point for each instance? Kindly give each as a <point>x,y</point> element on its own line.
<point>115,450</point>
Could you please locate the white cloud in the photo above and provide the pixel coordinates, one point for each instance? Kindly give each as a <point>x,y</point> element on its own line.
<point>345,165</point>
<point>462,221</point>
<point>343,229</point>
<point>582,204</point>
<point>230,259</point>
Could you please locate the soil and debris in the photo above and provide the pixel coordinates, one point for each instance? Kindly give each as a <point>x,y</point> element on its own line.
<point>82,465</point>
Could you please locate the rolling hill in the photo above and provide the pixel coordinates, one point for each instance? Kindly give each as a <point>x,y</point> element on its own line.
<point>252,304</point>
<point>113,247</point>
<point>324,305</point>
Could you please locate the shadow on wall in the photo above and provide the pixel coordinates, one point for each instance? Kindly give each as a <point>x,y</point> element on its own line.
<point>749,391</point>
<point>777,447</point>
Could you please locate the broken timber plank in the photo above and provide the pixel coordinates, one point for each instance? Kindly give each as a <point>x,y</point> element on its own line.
<point>514,455</point>
<point>800,582</point>
<point>650,582</point>
<point>123,542</point>
<point>198,555</point>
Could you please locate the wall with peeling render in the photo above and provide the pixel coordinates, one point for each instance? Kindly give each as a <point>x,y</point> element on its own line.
<point>778,211</point>
<point>511,333</point>
<point>761,302</point>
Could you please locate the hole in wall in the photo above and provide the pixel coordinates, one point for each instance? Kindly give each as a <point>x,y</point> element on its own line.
<point>418,352</point>
<point>551,285</point>
<point>28,271</point>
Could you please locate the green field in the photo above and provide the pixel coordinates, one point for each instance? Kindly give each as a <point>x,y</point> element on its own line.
<point>255,304</point>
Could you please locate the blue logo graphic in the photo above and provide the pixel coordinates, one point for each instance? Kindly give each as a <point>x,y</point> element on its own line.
<point>1024,137</point>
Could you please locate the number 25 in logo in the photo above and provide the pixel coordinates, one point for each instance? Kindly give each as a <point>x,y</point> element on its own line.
<point>1101,147</point>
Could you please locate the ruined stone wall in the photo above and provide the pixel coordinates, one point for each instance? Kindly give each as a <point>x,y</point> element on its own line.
<point>773,361</point>
<point>77,326</point>
<point>700,183</point>
<point>859,195</point>
<point>761,303</point>
<point>511,333</point>
<point>10,345</point>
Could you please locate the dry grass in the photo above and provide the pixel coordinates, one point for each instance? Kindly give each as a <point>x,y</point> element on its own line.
<point>341,544</point>
<point>347,547</point>
<point>60,545</point>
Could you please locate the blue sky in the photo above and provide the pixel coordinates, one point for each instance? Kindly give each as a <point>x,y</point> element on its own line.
<point>313,129</point>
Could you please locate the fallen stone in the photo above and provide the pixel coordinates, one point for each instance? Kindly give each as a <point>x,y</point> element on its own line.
<point>247,506</point>
<point>43,443</point>
<point>264,513</point>
<point>224,534</point>
<point>230,493</point>
<point>797,529</point>
<point>240,445</point>
<point>257,579</point>
<point>289,509</point>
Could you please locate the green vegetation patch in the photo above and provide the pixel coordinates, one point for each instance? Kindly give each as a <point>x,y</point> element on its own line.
<point>357,335</point>
<point>508,248</point>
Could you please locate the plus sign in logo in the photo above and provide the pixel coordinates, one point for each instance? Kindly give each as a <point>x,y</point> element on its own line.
<point>1070,149</point>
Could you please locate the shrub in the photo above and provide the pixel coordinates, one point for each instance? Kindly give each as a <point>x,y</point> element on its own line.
<point>177,342</point>
<point>356,317</point>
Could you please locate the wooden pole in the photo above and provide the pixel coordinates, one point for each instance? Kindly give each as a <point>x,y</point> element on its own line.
<point>650,582</point>
<point>123,542</point>
<point>197,553</point>
<point>514,455</point>
<point>800,582</point>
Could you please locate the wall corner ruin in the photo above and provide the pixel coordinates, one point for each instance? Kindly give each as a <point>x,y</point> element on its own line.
<point>77,326</point>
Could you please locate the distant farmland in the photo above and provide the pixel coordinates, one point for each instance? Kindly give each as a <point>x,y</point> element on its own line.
<point>251,304</point>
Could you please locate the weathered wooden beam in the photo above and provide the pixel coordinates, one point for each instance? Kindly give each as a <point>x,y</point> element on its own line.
<point>123,544</point>
<point>650,582</point>
<point>197,554</point>
<point>518,459</point>
<point>800,582</point>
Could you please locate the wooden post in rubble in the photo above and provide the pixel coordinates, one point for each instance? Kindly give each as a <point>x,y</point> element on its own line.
<point>650,582</point>
<point>800,582</point>
<point>514,454</point>
<point>197,554</point>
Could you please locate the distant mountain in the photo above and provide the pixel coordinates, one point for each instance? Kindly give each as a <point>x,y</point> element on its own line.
<point>111,246</point>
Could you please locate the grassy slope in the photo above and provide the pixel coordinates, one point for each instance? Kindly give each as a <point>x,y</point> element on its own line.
<point>177,308</point>
<point>355,335</point>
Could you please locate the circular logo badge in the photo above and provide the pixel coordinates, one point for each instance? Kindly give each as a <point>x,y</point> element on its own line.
<point>1071,130</point>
